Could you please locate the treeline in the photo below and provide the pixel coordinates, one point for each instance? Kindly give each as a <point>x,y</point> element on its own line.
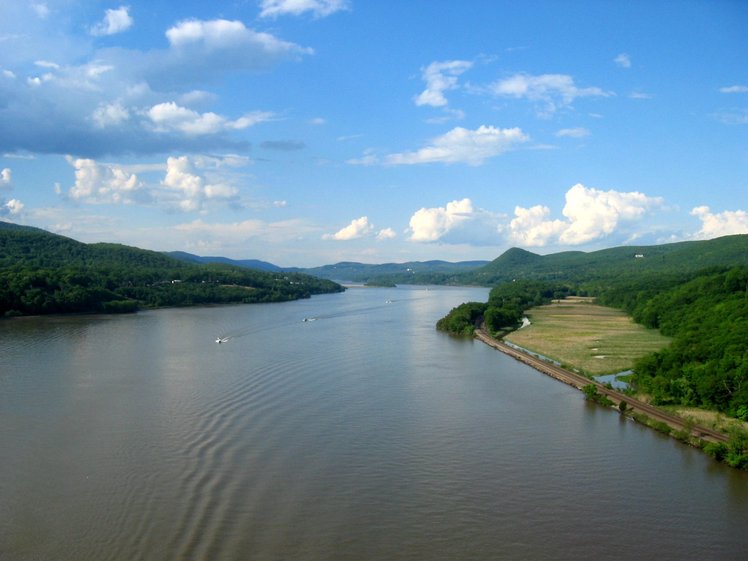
<point>706,365</point>
<point>27,291</point>
<point>505,308</point>
<point>42,273</point>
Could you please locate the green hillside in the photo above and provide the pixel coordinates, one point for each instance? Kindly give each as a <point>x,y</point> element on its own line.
<point>42,273</point>
<point>628,261</point>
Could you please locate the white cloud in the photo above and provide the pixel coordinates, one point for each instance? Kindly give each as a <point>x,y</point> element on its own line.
<point>456,222</point>
<point>462,145</point>
<point>183,186</point>
<point>358,228</point>
<point>172,117</point>
<point>191,189</point>
<point>230,37</point>
<point>714,225</point>
<point>318,8</point>
<point>734,89</point>
<point>86,101</point>
<point>531,227</point>
<point>10,207</point>
<point>623,60</point>
<point>13,207</point>
<point>110,114</point>
<point>578,132</point>
<point>440,77</point>
<point>115,21</point>
<point>590,214</point>
<point>551,91</point>
<point>386,234</point>
<point>104,183</point>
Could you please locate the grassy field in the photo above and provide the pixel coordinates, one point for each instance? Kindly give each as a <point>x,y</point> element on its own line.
<point>580,334</point>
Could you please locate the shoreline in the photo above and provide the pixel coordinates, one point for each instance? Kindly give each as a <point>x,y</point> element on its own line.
<point>633,406</point>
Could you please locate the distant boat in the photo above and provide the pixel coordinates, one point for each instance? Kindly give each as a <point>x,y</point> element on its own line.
<point>222,340</point>
<point>309,319</point>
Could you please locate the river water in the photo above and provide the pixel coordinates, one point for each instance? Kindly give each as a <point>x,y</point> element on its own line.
<point>362,435</point>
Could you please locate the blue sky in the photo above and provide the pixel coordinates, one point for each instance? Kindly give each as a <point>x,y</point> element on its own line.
<point>307,132</point>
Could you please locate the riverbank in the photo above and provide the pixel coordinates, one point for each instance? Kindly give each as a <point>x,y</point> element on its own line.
<point>685,430</point>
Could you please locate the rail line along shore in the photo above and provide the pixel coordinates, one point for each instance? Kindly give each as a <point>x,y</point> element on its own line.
<point>578,381</point>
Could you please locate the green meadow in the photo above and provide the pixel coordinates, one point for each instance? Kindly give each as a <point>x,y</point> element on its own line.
<point>583,335</point>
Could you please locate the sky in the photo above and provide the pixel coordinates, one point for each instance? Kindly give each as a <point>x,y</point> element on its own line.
<point>308,132</point>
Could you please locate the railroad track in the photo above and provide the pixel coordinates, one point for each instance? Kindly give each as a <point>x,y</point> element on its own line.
<point>579,382</point>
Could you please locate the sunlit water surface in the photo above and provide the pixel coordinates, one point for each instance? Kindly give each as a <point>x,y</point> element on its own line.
<point>364,434</point>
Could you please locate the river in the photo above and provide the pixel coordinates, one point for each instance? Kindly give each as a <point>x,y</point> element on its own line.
<point>364,434</point>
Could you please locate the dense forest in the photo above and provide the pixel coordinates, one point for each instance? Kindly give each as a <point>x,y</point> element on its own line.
<point>43,273</point>
<point>706,365</point>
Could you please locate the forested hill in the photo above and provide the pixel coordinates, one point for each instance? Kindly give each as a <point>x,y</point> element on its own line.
<point>618,262</point>
<point>42,273</point>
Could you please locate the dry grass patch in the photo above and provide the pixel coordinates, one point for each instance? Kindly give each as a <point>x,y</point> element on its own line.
<point>712,419</point>
<point>594,339</point>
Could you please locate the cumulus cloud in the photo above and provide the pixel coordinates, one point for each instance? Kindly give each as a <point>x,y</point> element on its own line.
<point>460,145</point>
<point>440,77</point>
<point>115,21</point>
<point>457,222</point>
<point>431,224</point>
<point>531,227</point>
<point>318,8</point>
<point>13,207</point>
<point>590,214</point>
<point>172,117</point>
<point>191,189</point>
<point>623,60</point>
<point>120,100</point>
<point>228,37</point>
<point>550,91</point>
<point>188,184</point>
<point>358,228</point>
<point>714,225</point>
<point>99,183</point>
<point>386,234</point>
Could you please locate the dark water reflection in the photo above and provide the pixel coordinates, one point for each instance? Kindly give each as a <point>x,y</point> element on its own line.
<point>362,435</point>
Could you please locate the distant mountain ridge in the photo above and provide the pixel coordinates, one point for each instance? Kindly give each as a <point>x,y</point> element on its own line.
<point>513,264</point>
<point>248,263</point>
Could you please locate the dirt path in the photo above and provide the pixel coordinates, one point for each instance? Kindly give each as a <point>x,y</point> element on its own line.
<point>579,381</point>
